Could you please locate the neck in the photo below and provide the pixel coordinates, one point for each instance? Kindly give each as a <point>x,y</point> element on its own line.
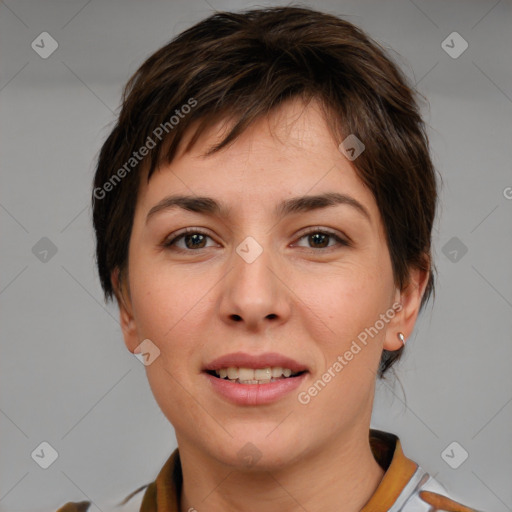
<point>340,476</point>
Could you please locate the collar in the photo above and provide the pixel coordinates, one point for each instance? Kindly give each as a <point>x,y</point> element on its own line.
<point>163,494</point>
<point>387,450</point>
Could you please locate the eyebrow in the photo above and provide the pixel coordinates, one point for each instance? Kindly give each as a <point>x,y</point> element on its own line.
<point>209,206</point>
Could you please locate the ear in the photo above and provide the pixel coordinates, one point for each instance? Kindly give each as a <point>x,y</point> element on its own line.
<point>126,318</point>
<point>410,298</point>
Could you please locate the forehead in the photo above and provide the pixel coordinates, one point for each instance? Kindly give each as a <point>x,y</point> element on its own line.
<point>290,152</point>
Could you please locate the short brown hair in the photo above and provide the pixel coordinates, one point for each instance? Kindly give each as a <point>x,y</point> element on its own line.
<point>241,66</point>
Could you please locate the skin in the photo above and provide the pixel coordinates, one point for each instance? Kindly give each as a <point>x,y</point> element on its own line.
<point>297,298</point>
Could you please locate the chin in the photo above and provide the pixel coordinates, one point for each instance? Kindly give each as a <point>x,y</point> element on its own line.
<point>255,450</point>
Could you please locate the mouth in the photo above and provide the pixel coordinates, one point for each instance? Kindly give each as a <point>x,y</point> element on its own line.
<point>259,379</point>
<point>240,375</point>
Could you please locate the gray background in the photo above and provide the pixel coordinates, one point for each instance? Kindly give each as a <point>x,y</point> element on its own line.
<point>66,376</point>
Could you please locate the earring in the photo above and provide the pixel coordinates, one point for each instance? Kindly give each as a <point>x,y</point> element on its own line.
<point>401,337</point>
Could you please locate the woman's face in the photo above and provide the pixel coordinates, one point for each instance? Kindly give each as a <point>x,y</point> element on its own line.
<point>301,283</point>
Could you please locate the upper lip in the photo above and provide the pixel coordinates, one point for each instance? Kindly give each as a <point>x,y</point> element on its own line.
<point>244,360</point>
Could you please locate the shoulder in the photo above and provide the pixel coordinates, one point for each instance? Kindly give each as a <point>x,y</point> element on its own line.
<point>406,486</point>
<point>443,503</point>
<point>426,494</point>
<point>132,503</point>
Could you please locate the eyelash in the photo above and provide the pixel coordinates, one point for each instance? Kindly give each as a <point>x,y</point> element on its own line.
<point>168,243</point>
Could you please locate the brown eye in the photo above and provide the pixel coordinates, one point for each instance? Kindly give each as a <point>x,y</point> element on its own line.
<point>192,239</point>
<point>196,241</point>
<point>318,239</point>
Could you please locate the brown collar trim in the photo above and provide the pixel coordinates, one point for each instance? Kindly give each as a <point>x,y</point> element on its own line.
<point>388,452</point>
<point>163,494</point>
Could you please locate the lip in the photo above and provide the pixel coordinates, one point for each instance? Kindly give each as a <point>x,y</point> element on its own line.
<point>244,360</point>
<point>254,394</point>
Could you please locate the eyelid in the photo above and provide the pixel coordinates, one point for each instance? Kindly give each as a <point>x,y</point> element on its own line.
<point>342,238</point>
<point>173,237</point>
<point>177,235</point>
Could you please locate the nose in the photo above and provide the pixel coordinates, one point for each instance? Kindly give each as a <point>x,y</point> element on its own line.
<point>254,293</point>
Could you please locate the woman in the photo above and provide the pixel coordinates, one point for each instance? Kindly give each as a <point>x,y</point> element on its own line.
<point>263,212</point>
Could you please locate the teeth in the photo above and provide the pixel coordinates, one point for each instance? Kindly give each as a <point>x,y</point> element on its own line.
<point>276,372</point>
<point>244,373</point>
<point>232,373</point>
<point>263,374</point>
<point>251,376</point>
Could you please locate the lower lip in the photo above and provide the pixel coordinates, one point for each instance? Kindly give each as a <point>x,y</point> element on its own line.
<point>255,394</point>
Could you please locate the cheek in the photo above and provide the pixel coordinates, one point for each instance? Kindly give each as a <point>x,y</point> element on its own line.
<point>166,307</point>
<point>173,309</point>
<point>350,298</point>
<point>347,343</point>
<point>163,298</point>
